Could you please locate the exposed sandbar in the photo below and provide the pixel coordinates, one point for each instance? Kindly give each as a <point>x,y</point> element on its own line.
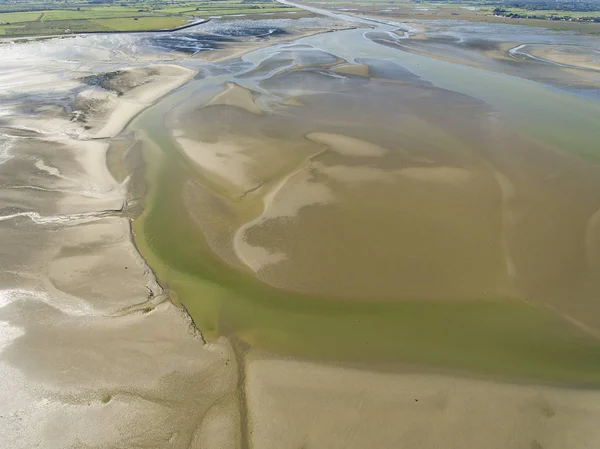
<point>125,94</point>
<point>235,95</point>
<point>352,69</point>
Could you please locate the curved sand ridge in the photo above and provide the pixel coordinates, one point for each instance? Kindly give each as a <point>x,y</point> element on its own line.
<point>238,96</point>
<point>226,161</point>
<point>352,69</point>
<point>285,200</point>
<point>563,55</point>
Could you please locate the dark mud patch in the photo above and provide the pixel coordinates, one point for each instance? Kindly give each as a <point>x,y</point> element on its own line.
<point>122,81</point>
<point>189,43</point>
<point>251,32</point>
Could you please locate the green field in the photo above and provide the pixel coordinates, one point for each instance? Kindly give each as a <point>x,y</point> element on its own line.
<point>42,18</point>
<point>476,11</point>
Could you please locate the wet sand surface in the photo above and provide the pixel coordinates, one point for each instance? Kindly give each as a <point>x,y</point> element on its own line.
<point>297,404</point>
<point>381,248</point>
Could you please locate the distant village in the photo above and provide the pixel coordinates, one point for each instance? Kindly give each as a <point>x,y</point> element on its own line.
<point>501,12</point>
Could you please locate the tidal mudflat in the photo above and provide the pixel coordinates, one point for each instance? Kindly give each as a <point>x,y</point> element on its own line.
<point>377,247</point>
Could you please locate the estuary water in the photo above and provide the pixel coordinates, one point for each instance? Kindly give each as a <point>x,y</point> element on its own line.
<point>340,198</point>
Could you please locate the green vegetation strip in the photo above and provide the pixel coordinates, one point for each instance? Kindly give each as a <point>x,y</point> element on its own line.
<point>503,337</point>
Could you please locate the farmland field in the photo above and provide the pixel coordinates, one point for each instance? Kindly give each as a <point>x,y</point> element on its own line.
<point>581,21</point>
<point>41,18</point>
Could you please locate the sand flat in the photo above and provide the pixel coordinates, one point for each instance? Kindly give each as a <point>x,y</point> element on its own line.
<point>294,403</point>
<point>236,95</point>
<point>285,200</point>
<point>84,319</point>
<point>226,161</point>
<point>352,69</point>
